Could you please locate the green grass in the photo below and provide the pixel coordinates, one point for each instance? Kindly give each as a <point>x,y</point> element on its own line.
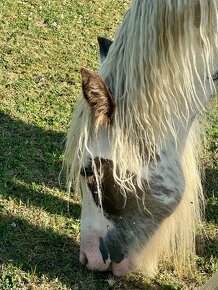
<point>43,45</point>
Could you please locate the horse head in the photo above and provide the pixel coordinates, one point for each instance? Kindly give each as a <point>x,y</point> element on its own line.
<point>131,147</point>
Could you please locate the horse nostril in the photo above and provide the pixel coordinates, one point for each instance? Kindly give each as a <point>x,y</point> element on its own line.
<point>103,249</point>
<point>92,259</point>
<point>116,251</point>
<point>85,261</point>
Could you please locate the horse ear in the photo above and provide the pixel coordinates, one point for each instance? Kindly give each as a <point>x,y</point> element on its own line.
<point>104,45</point>
<point>98,97</point>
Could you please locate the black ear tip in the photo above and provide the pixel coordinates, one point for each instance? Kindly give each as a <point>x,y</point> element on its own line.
<point>104,42</point>
<point>100,39</point>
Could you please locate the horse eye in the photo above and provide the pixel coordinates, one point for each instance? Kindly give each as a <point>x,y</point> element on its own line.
<point>215,76</point>
<point>87,171</point>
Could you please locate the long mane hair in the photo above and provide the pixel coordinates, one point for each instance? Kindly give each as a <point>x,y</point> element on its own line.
<point>160,51</point>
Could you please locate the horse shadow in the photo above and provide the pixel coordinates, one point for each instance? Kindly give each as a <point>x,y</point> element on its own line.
<point>31,162</point>
<point>30,159</point>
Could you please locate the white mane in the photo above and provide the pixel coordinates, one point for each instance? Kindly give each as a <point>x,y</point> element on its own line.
<point>159,71</point>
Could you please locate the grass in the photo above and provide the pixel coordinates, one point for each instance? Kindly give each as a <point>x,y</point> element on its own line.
<point>43,46</point>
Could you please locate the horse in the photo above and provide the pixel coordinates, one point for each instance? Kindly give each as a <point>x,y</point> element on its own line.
<point>132,146</point>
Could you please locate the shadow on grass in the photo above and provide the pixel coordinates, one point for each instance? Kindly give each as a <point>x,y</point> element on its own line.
<point>211,193</point>
<point>30,159</point>
<point>207,246</point>
<point>29,153</point>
